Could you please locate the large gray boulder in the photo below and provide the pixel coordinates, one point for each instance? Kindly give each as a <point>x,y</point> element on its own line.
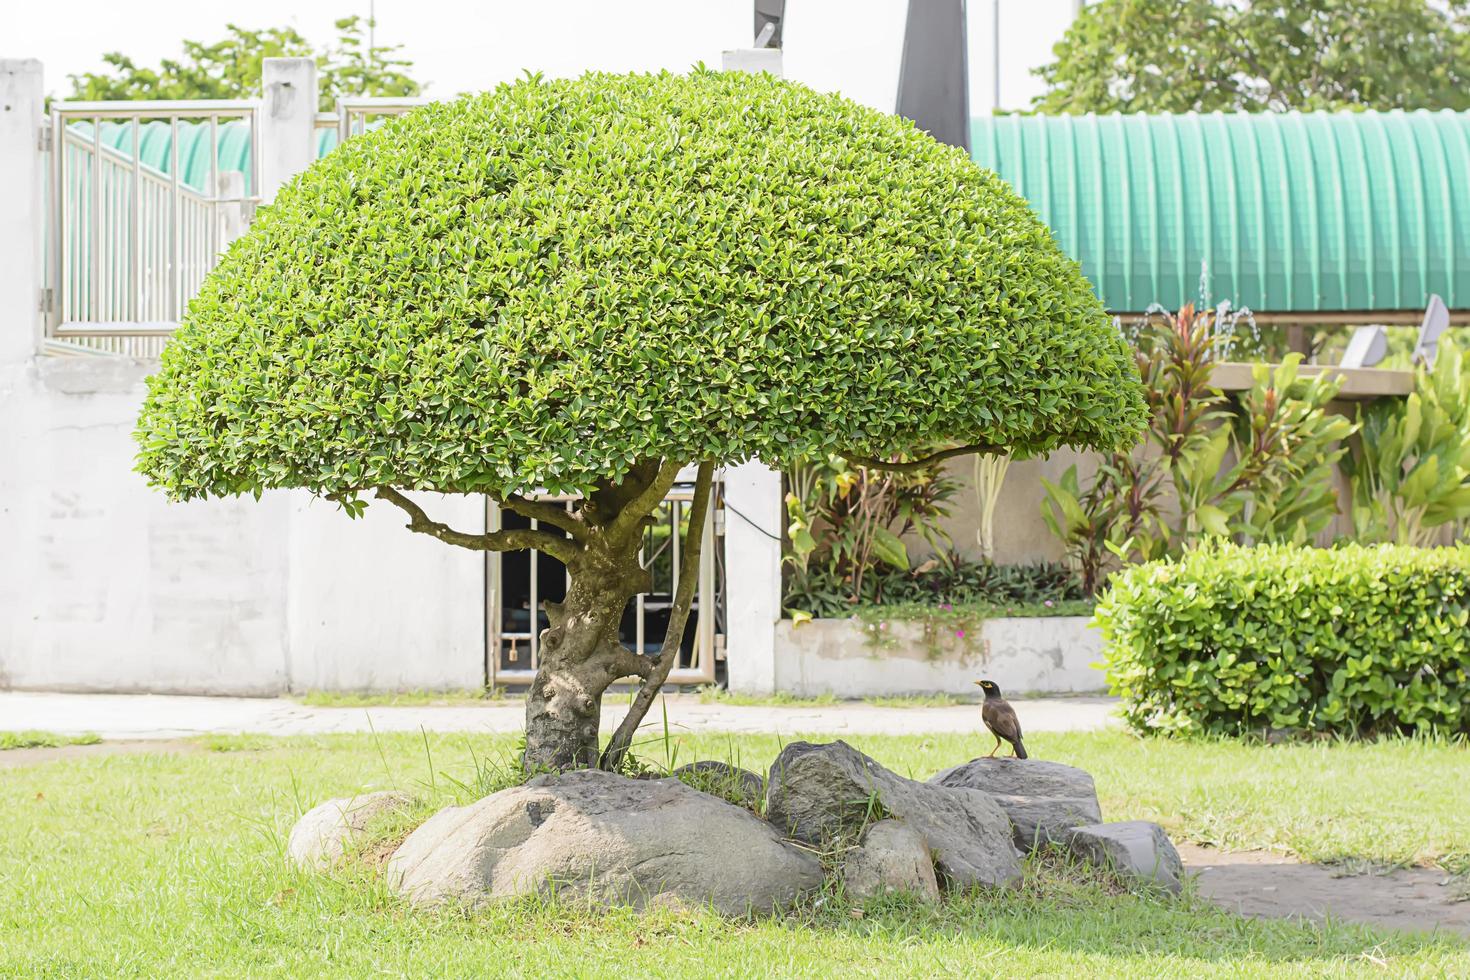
<point>323,835</point>
<point>893,857</point>
<point>1136,848</point>
<point>823,793</point>
<point>593,834</point>
<point>739,786</point>
<point>1043,799</point>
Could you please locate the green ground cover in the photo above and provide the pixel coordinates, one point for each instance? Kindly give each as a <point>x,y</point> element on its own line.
<point>43,740</point>
<point>171,865</point>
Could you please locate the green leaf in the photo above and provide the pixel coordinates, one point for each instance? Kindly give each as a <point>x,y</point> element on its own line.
<point>888,548</point>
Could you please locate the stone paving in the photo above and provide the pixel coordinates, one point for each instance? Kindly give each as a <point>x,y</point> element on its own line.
<point>155,716</point>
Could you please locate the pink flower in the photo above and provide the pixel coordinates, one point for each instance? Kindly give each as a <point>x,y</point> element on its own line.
<point>945,605</point>
<point>1047,603</point>
<point>960,634</point>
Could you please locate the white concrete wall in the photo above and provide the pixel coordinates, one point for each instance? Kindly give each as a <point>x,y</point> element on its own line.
<point>373,606</point>
<point>105,585</point>
<point>1024,656</point>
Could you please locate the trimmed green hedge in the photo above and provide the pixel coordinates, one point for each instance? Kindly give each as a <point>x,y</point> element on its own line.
<point>1352,640</point>
<point>547,285</point>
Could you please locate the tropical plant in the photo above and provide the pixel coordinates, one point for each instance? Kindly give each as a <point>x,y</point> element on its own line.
<point>231,67</point>
<point>1409,467</point>
<point>1260,55</point>
<point>589,287</point>
<point>946,581</point>
<point>847,519</point>
<point>1260,471</point>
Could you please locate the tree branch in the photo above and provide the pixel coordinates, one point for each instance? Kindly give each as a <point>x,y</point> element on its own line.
<point>514,540</point>
<point>630,518</point>
<point>915,466</point>
<point>547,512</point>
<point>622,739</point>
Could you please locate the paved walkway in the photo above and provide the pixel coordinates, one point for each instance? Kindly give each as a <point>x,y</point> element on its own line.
<point>150,716</point>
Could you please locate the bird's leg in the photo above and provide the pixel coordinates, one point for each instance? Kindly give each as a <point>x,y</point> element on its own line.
<point>1013,752</point>
<point>996,749</point>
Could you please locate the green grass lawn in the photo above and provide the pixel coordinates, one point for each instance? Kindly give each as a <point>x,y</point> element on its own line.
<point>43,740</point>
<point>171,865</point>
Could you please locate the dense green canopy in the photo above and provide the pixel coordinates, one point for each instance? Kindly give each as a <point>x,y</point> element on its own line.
<point>540,286</point>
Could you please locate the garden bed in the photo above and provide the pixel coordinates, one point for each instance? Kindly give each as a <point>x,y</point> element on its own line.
<point>867,656</point>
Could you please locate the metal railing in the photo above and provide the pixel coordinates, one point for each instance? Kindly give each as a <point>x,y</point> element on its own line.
<point>129,242</point>
<point>353,115</point>
<point>515,618</point>
<point>130,239</point>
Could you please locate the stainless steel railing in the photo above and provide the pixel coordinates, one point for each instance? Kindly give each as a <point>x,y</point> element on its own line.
<point>133,231</point>
<point>131,234</point>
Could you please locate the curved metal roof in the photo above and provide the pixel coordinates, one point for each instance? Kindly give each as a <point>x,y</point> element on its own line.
<point>1318,211</point>
<point>154,139</point>
<point>1299,212</point>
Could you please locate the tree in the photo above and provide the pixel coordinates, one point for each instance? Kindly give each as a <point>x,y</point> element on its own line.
<point>582,287</point>
<point>1261,55</point>
<point>230,69</point>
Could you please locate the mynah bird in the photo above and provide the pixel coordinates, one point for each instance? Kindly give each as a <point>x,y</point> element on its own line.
<point>1001,719</point>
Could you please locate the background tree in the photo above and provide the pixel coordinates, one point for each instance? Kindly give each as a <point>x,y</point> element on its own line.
<point>230,68</point>
<point>1260,55</point>
<point>584,287</point>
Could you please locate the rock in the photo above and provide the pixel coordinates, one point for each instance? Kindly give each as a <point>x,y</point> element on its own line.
<point>593,834</point>
<point>1131,847</point>
<point>321,837</point>
<point>739,786</point>
<point>1043,799</point>
<point>894,857</point>
<point>820,793</point>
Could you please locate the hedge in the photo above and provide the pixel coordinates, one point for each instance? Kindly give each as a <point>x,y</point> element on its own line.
<point>1351,640</point>
<point>544,286</point>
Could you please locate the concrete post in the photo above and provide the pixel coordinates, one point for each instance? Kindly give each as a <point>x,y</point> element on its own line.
<point>753,522</point>
<point>753,60</point>
<point>21,208</point>
<point>288,122</point>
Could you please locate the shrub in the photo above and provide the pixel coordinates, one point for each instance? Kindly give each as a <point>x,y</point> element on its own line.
<point>1409,468</point>
<point>583,287</point>
<point>1259,470</point>
<point>1353,640</point>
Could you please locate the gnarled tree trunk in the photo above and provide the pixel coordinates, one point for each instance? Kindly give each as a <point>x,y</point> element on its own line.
<point>580,656</point>
<point>580,653</point>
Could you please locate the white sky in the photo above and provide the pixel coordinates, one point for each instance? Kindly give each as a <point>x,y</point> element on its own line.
<point>460,45</point>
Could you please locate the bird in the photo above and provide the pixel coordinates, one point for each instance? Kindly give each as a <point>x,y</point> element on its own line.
<point>1001,719</point>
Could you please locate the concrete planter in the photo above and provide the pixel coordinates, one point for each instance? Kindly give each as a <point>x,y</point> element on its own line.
<point>843,657</point>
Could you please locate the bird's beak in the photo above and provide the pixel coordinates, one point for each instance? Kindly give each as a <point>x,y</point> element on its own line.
<point>978,684</point>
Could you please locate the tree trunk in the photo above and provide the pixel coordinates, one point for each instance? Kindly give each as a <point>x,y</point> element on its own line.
<point>581,655</point>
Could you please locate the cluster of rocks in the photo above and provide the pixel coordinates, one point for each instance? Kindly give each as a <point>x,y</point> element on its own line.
<point>649,842</point>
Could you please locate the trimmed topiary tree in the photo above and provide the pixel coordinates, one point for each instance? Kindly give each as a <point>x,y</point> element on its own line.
<point>581,287</point>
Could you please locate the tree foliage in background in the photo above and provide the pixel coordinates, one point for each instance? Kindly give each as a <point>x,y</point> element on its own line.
<point>1261,55</point>
<point>586,287</point>
<point>231,68</point>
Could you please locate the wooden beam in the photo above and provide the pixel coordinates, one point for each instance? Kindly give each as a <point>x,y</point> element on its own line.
<point>1358,384</point>
<point>1346,318</point>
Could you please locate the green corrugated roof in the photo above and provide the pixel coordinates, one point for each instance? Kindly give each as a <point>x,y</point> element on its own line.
<point>155,137</point>
<point>1287,212</point>
<point>1284,211</point>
